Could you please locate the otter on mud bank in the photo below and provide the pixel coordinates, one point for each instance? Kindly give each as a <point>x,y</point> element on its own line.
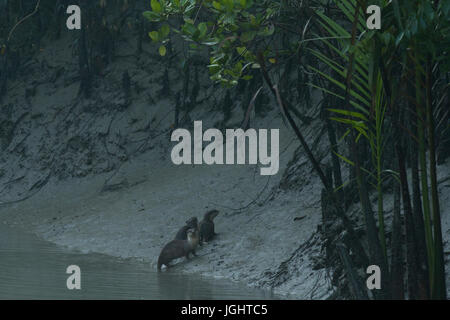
<point>207,226</point>
<point>178,248</point>
<point>192,223</point>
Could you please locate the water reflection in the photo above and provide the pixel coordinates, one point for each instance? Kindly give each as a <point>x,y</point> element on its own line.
<point>34,269</point>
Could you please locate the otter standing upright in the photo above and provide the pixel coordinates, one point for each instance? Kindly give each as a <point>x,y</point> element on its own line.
<point>178,248</point>
<point>192,223</point>
<point>207,226</point>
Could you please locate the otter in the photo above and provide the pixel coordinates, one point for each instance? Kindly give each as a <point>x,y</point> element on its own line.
<point>192,223</point>
<point>207,226</point>
<point>178,248</point>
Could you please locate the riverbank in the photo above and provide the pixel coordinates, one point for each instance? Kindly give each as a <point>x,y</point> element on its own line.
<point>95,174</point>
<point>148,199</point>
<point>137,219</point>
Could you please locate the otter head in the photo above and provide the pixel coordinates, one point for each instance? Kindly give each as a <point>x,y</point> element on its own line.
<point>192,236</point>
<point>192,222</point>
<point>210,215</point>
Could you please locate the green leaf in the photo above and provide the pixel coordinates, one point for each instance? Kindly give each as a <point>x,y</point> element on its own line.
<point>154,35</point>
<point>188,29</point>
<point>399,38</point>
<point>228,4</point>
<point>162,50</point>
<point>164,31</point>
<point>188,20</point>
<point>241,50</point>
<point>156,6</point>
<point>342,86</point>
<point>355,124</point>
<point>349,113</point>
<point>152,16</point>
<point>267,31</point>
<point>357,80</point>
<point>248,36</point>
<point>213,68</point>
<point>345,159</point>
<point>203,29</point>
<point>336,29</point>
<point>210,43</point>
<point>217,5</point>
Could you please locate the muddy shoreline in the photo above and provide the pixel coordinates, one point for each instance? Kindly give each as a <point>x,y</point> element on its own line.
<point>137,219</point>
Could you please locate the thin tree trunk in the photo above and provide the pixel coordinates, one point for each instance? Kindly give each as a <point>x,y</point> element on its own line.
<point>177,111</point>
<point>439,286</point>
<point>140,35</point>
<point>4,72</point>
<point>331,131</point>
<point>423,174</point>
<point>397,270</point>
<point>185,102</point>
<point>4,58</point>
<point>411,250</point>
<point>355,242</point>
<point>357,289</point>
<point>375,251</point>
<point>85,72</point>
<point>419,228</point>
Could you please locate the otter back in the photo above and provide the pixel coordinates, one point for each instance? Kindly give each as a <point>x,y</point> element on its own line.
<point>206,230</point>
<point>206,226</point>
<point>182,233</point>
<point>178,248</point>
<point>173,250</point>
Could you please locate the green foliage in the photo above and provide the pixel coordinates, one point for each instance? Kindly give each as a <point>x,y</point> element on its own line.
<point>231,31</point>
<point>416,31</point>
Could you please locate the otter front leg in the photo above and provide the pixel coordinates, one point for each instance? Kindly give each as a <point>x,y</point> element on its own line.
<point>193,253</point>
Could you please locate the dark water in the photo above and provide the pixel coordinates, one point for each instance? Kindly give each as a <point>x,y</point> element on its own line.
<point>34,269</point>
